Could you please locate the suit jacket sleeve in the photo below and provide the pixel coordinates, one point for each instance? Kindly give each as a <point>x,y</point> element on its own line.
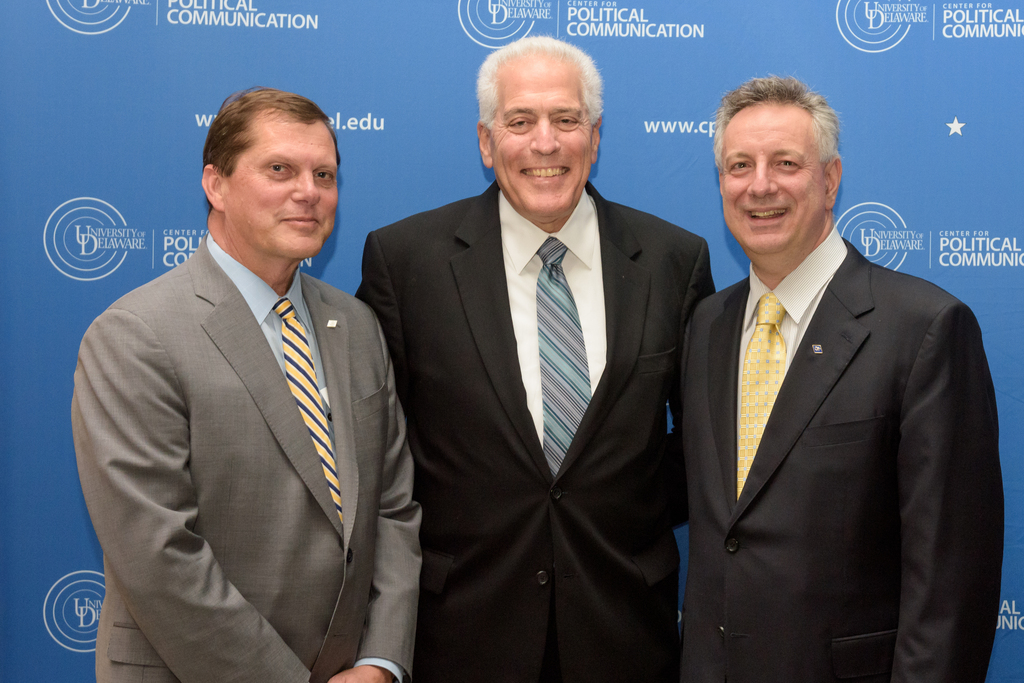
<point>377,290</point>
<point>131,432</point>
<point>391,614</point>
<point>951,507</point>
<point>701,285</point>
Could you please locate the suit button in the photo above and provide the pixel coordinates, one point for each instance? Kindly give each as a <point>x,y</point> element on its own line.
<point>721,631</point>
<point>732,545</point>
<point>542,577</point>
<point>556,493</point>
<point>348,556</point>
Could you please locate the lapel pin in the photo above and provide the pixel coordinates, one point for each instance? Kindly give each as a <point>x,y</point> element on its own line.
<point>816,348</point>
<point>334,323</point>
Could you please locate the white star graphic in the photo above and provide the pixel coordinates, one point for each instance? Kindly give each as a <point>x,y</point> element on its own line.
<point>955,127</point>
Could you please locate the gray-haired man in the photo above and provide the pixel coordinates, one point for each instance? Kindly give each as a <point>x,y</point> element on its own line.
<point>535,385</point>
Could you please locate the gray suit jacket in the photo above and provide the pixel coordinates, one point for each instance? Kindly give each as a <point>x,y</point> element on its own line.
<point>224,557</point>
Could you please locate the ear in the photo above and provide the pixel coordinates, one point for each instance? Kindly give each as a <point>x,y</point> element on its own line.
<point>833,174</point>
<point>595,140</point>
<point>485,144</point>
<point>213,185</point>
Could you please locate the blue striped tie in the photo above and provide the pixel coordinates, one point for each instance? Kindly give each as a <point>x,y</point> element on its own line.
<point>564,377</point>
<point>298,367</point>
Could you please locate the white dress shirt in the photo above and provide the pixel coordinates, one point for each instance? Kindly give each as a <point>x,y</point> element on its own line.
<point>799,293</point>
<point>520,240</point>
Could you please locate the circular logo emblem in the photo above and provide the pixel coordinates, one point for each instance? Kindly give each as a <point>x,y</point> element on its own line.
<point>489,22</point>
<point>86,238</point>
<point>867,27</point>
<point>88,17</point>
<point>71,610</point>
<point>880,233</point>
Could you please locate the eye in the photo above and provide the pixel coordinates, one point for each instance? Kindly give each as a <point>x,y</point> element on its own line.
<point>325,175</point>
<point>567,123</point>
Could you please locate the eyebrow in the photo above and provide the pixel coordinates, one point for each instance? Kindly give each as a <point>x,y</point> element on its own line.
<point>512,113</point>
<point>776,153</point>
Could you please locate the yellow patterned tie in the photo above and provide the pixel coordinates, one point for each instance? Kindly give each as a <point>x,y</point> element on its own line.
<point>764,367</point>
<point>298,364</point>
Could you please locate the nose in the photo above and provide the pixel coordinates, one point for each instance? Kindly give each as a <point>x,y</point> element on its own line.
<point>306,189</point>
<point>545,138</point>
<point>763,183</point>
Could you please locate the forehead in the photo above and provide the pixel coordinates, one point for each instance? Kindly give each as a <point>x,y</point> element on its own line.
<point>770,126</point>
<point>538,75</point>
<point>276,129</point>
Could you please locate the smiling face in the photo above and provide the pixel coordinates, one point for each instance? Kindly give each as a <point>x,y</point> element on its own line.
<point>541,143</point>
<point>277,206</point>
<point>777,197</point>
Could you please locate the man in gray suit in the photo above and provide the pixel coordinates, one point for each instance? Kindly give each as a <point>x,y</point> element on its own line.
<point>250,531</point>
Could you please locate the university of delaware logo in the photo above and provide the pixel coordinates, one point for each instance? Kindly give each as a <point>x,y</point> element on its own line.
<point>880,234</point>
<point>91,17</point>
<point>88,239</point>
<point>71,610</point>
<point>493,23</point>
<point>877,26</point>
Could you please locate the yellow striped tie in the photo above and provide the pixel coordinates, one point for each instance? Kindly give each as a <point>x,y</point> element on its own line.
<point>298,364</point>
<point>764,368</point>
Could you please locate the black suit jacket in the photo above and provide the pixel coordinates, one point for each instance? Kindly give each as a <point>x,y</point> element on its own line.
<point>500,535</point>
<point>867,542</point>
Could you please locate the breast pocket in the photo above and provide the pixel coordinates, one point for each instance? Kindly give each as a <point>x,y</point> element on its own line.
<point>871,429</point>
<point>662,361</point>
<point>365,407</point>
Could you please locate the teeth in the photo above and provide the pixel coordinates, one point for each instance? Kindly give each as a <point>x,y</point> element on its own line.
<point>545,172</point>
<point>767,214</point>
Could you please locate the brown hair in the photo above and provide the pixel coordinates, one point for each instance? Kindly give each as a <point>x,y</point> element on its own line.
<point>230,133</point>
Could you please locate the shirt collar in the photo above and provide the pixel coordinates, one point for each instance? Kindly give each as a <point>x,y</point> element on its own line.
<point>260,297</point>
<point>522,238</point>
<point>798,289</point>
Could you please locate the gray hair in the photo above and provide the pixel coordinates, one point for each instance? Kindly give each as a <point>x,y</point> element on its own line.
<point>780,91</point>
<point>546,46</point>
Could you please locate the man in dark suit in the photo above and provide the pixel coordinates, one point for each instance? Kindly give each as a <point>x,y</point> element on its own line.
<point>535,386</point>
<point>840,436</point>
<point>251,530</point>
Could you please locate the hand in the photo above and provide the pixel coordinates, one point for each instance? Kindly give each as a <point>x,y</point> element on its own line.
<point>363,674</point>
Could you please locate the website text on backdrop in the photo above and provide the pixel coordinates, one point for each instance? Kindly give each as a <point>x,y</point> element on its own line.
<point>535,386</point>
<point>840,437</point>
<point>253,499</point>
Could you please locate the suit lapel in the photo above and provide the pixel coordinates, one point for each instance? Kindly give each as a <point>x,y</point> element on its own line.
<point>723,380</point>
<point>626,289</point>
<point>236,333</point>
<point>480,277</point>
<point>332,343</point>
<point>812,376</point>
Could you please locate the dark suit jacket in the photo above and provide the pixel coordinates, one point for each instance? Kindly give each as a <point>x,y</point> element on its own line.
<point>500,536</point>
<point>867,541</point>
<point>224,556</point>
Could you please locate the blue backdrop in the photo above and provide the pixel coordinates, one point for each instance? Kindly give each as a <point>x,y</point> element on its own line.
<point>105,106</point>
